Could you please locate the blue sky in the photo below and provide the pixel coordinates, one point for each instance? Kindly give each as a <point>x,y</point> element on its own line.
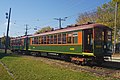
<point>41,13</point>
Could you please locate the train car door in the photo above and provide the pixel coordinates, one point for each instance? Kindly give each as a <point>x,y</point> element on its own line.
<point>88,40</point>
<point>98,41</point>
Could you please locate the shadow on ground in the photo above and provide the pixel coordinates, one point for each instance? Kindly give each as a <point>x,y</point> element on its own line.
<point>111,65</point>
<point>2,54</point>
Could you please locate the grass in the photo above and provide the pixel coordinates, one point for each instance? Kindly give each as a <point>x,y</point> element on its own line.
<point>26,68</point>
<point>3,74</point>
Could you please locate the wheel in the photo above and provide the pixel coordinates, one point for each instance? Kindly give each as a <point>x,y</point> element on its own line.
<point>37,54</point>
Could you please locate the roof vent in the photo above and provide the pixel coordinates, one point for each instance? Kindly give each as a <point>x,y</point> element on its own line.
<point>90,22</point>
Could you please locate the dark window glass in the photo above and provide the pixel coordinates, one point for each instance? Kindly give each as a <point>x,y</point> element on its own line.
<point>51,39</point>
<point>44,39</point>
<point>47,39</point>
<point>69,38</point>
<point>55,39</point>
<point>59,38</point>
<point>109,35</point>
<point>63,38</point>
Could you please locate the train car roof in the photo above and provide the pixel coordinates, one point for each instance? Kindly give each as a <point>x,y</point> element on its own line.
<point>72,28</point>
<point>21,37</point>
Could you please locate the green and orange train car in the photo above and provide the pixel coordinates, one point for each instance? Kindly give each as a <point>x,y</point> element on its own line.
<point>80,43</point>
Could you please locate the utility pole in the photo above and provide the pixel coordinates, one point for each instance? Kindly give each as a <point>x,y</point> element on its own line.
<point>60,21</point>
<point>26,45</point>
<point>6,41</point>
<point>115,28</point>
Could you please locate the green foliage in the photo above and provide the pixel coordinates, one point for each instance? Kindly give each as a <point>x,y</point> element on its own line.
<point>45,29</point>
<point>105,14</point>
<point>116,0</point>
<point>86,17</point>
<point>3,40</point>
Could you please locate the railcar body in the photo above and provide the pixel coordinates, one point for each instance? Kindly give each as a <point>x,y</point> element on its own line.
<point>80,42</point>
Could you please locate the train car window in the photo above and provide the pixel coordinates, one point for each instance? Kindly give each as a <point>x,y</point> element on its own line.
<point>88,40</point>
<point>16,42</point>
<point>41,39</point>
<point>19,42</point>
<point>38,40</point>
<point>103,36</point>
<point>75,37</point>
<point>51,39</point>
<point>59,38</point>
<point>32,40</point>
<point>109,35</point>
<point>47,39</point>
<point>55,39</point>
<point>98,35</point>
<point>44,39</point>
<point>63,38</point>
<point>69,38</point>
<point>13,42</point>
<point>22,41</point>
<point>35,40</point>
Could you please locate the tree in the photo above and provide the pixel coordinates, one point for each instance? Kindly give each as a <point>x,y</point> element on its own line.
<point>45,29</point>
<point>3,40</point>
<point>103,15</point>
<point>86,17</point>
<point>116,0</point>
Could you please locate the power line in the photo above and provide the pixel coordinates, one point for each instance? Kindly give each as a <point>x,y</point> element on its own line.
<point>60,21</point>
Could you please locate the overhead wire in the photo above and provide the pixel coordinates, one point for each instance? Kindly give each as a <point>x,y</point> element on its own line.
<point>73,4</point>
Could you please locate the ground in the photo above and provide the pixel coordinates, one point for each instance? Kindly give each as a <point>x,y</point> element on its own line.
<point>22,67</point>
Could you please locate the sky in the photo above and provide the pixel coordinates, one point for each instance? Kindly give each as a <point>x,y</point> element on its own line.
<point>41,13</point>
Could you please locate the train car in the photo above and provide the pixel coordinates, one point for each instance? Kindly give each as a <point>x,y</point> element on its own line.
<point>18,44</point>
<point>80,43</point>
